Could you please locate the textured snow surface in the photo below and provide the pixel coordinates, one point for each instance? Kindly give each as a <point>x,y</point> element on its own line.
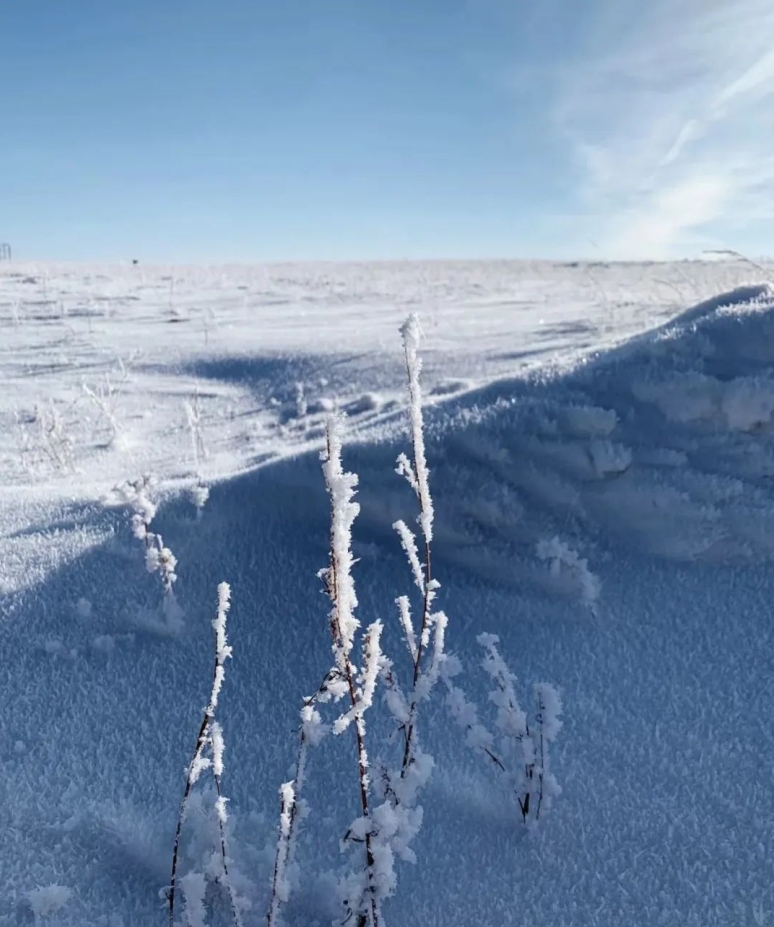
<point>600,441</point>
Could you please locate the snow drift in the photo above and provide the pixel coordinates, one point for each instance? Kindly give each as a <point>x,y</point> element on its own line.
<point>612,524</point>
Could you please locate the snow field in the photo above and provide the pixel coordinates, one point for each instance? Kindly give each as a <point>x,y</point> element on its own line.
<point>603,504</point>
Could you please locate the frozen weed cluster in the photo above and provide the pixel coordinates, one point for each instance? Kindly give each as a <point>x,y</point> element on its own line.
<point>520,750</point>
<point>387,787</point>
<point>566,564</point>
<point>43,440</point>
<point>159,559</point>
<point>47,900</point>
<point>199,493</point>
<point>103,396</point>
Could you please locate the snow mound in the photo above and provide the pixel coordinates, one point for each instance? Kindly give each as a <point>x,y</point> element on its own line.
<point>665,444</point>
<point>729,301</point>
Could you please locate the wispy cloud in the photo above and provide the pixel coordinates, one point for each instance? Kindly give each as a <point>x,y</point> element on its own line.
<point>668,111</point>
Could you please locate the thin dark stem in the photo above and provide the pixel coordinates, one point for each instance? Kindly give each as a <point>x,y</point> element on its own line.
<point>222,831</point>
<point>493,758</point>
<point>424,625</point>
<point>286,846</point>
<point>300,757</point>
<point>363,779</point>
<point>409,731</point>
<point>200,741</point>
<point>280,861</point>
<point>529,769</point>
<point>541,774</point>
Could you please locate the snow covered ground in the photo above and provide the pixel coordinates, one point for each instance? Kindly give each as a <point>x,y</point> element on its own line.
<point>601,445</point>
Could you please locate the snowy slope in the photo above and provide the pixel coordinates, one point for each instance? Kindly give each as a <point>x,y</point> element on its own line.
<point>607,406</point>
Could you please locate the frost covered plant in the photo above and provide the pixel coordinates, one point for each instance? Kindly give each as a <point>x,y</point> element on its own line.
<point>47,900</point>
<point>300,399</point>
<point>159,559</point>
<point>199,493</point>
<point>193,414</point>
<point>398,818</point>
<point>292,806</point>
<point>23,443</point>
<point>524,748</point>
<point>395,821</point>
<point>548,708</point>
<point>51,438</point>
<point>565,562</point>
<point>520,749</point>
<point>103,398</point>
<point>432,624</point>
<point>208,754</point>
<point>360,892</point>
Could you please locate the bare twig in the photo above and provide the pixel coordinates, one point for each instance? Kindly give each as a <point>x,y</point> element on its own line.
<point>209,736</point>
<point>289,798</point>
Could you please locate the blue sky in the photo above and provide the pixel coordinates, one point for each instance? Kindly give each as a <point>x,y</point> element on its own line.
<point>251,130</point>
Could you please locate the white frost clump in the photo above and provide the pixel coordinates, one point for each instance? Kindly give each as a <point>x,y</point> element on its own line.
<point>344,510</point>
<point>321,404</point>
<point>590,421</point>
<point>609,458</point>
<point>682,397</point>
<point>104,643</point>
<point>199,494</point>
<point>743,404</point>
<point>158,558</point>
<point>564,560</point>
<point>55,647</point>
<point>549,707</point>
<point>511,720</point>
<point>748,403</point>
<point>372,655</point>
<point>194,888</point>
<point>417,476</point>
<point>48,899</point>
<point>465,713</point>
<point>301,403</point>
<point>83,608</point>
<point>222,650</point>
<point>409,544</point>
<point>368,402</point>
<point>135,494</point>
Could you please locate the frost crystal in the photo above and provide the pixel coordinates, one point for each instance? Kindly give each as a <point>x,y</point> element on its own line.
<point>344,510</point>
<point>412,335</point>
